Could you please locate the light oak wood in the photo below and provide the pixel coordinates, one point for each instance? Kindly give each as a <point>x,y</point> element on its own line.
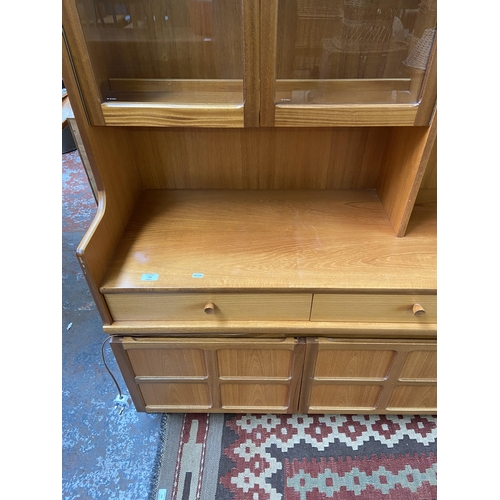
<point>255,364</point>
<point>402,170</point>
<point>193,306</point>
<point>416,399</point>
<point>420,366</point>
<point>251,47</point>
<point>77,59</point>
<point>398,308</point>
<point>244,208</point>
<point>273,329</point>
<point>209,308</point>
<point>428,92</point>
<point>268,23</point>
<point>418,310</point>
<point>255,397</point>
<point>115,203</point>
<point>345,398</point>
<point>353,364</point>
<point>268,241</point>
<point>344,115</point>
<point>174,396</point>
<point>427,194</point>
<point>173,115</point>
<point>174,362</point>
<point>212,374</point>
<point>374,376</point>
<point>264,158</point>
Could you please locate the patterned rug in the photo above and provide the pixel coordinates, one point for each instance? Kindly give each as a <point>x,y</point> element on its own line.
<point>297,457</point>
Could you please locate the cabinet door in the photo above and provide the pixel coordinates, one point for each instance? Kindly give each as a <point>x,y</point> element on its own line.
<point>211,375</point>
<point>348,62</point>
<point>368,376</point>
<point>157,63</point>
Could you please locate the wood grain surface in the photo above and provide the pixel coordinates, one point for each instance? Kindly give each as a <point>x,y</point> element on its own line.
<point>270,241</point>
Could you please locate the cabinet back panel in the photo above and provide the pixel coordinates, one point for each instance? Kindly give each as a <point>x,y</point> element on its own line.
<point>265,158</point>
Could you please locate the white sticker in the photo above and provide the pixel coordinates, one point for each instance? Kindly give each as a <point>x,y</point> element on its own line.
<point>198,275</point>
<point>162,494</point>
<point>150,277</point>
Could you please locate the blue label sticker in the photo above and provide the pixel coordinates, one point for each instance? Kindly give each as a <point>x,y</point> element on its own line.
<point>198,275</point>
<point>162,494</point>
<point>150,277</point>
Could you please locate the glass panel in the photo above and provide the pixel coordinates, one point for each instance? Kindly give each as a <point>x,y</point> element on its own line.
<point>178,51</point>
<point>353,51</point>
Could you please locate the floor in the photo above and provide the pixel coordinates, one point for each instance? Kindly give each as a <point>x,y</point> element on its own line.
<point>105,454</point>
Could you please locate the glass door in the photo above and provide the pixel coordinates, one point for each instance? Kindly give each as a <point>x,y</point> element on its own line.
<point>167,62</point>
<point>348,62</point>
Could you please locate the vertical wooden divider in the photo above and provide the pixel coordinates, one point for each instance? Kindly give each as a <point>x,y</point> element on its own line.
<point>251,76</point>
<point>268,32</point>
<point>402,171</point>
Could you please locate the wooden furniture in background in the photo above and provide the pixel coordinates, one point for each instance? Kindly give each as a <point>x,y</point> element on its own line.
<point>262,241</point>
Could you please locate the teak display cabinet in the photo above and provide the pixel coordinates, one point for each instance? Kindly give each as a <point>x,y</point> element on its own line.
<point>265,239</point>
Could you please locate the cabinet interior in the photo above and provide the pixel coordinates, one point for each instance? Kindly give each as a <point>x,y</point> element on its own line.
<point>262,209</point>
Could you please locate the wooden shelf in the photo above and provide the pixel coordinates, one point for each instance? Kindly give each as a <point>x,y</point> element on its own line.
<point>265,240</point>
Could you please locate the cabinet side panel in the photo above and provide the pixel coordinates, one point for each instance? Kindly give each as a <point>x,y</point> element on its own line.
<point>118,184</point>
<point>73,36</point>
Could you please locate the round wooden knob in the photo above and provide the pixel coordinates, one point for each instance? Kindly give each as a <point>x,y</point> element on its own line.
<point>418,310</point>
<point>209,308</point>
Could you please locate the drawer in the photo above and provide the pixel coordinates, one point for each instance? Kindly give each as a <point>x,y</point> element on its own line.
<point>383,308</point>
<point>209,306</point>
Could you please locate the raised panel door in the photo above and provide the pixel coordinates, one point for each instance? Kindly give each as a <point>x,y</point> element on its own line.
<point>371,376</point>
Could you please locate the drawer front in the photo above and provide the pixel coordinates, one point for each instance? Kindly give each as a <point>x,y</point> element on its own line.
<point>209,306</point>
<point>374,308</point>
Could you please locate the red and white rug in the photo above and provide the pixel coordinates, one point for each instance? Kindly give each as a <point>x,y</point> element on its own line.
<point>296,457</point>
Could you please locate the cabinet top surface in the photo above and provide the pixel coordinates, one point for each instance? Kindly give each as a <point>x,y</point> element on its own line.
<point>259,240</point>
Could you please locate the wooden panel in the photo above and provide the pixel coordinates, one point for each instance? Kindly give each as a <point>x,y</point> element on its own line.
<point>403,168</point>
<point>190,306</point>
<point>168,362</point>
<point>172,115</point>
<point>187,374</point>
<point>420,366</point>
<point>118,183</point>
<point>428,94</point>
<point>372,308</point>
<point>330,398</point>
<point>175,396</point>
<point>353,363</point>
<point>268,27</point>
<point>251,48</point>
<point>415,398</point>
<point>355,157</point>
<point>255,363</point>
<point>344,115</point>
<point>260,240</point>
<point>262,397</point>
<point>276,329</point>
<point>77,60</point>
<point>352,376</point>
<point>265,158</point>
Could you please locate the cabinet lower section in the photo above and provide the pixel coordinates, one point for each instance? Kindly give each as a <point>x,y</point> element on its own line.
<point>314,375</point>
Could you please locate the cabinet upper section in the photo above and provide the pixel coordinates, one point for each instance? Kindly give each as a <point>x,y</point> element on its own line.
<point>235,63</point>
